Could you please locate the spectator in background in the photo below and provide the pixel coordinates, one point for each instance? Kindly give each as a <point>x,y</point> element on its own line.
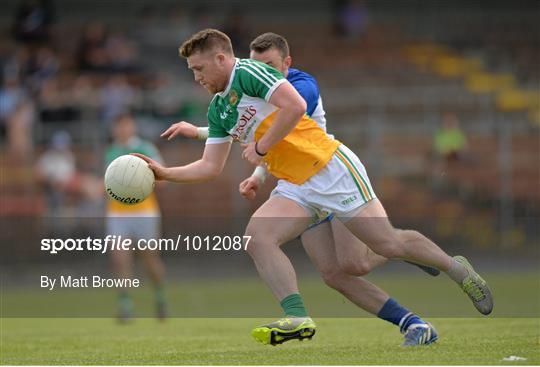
<point>155,30</point>
<point>12,96</point>
<point>56,172</point>
<point>350,18</point>
<point>56,102</point>
<point>164,96</point>
<point>45,65</point>
<point>137,221</point>
<point>121,53</point>
<point>32,22</point>
<point>85,95</point>
<point>17,115</point>
<point>238,31</point>
<point>66,187</point>
<point>117,96</point>
<point>450,141</point>
<point>92,53</point>
<point>16,62</point>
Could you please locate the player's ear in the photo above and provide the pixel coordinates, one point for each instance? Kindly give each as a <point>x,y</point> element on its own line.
<point>287,61</point>
<point>220,58</point>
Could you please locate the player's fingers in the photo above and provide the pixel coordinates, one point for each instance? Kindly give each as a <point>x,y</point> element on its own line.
<point>173,134</point>
<point>250,195</point>
<point>248,186</point>
<point>142,156</point>
<point>245,194</point>
<point>168,131</point>
<point>153,168</point>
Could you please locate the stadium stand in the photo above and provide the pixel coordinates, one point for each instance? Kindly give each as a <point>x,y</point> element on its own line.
<point>385,86</point>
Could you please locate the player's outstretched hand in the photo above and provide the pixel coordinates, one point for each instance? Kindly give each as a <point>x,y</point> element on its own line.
<point>248,188</point>
<point>181,128</point>
<point>160,172</point>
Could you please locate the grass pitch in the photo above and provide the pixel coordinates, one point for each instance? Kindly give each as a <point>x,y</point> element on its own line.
<point>228,342</point>
<point>225,339</point>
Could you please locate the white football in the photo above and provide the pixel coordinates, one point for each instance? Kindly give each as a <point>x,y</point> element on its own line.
<point>129,180</point>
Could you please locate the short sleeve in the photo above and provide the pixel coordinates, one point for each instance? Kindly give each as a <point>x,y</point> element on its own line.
<point>257,79</point>
<point>216,132</point>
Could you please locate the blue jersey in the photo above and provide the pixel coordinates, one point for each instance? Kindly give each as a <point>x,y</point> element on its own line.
<point>307,87</point>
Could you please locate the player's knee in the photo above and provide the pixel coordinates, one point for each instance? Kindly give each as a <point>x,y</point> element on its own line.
<point>356,267</point>
<point>334,278</point>
<point>258,242</point>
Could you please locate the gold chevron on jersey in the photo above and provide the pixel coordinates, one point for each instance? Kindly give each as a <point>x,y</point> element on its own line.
<point>242,111</point>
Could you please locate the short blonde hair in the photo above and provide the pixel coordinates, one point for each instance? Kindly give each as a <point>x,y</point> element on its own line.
<point>207,39</point>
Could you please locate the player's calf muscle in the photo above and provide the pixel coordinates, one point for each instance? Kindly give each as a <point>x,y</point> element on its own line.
<point>391,248</point>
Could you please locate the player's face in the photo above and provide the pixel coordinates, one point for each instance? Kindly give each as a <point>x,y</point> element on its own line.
<point>272,57</point>
<point>209,70</point>
<point>124,129</point>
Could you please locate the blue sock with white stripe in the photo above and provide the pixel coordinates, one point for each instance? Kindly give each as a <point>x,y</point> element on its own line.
<point>398,315</point>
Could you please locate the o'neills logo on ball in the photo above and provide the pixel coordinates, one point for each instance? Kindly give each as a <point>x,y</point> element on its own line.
<point>121,199</point>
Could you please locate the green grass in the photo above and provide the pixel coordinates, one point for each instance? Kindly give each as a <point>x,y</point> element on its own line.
<point>227,341</point>
<point>209,330</point>
<point>516,295</point>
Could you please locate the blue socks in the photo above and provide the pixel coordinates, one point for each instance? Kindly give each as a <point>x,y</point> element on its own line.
<point>398,315</point>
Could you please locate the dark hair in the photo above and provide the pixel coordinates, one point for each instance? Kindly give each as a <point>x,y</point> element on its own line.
<point>270,40</point>
<point>122,115</point>
<point>205,40</point>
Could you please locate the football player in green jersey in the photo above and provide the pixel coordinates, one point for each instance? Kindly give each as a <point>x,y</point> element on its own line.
<point>254,104</point>
<point>137,221</point>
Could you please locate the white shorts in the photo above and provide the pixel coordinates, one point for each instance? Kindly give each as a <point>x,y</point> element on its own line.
<point>341,188</point>
<point>134,226</point>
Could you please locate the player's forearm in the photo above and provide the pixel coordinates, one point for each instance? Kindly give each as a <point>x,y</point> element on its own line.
<point>260,173</point>
<point>286,120</point>
<point>198,171</point>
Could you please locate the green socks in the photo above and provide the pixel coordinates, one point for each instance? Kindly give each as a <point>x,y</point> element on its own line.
<point>125,302</point>
<point>159,295</point>
<point>293,305</point>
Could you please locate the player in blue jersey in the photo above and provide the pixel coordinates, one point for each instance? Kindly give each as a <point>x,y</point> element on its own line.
<point>340,266</point>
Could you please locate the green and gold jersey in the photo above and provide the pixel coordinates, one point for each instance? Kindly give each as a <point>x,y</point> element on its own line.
<point>135,145</point>
<point>242,112</point>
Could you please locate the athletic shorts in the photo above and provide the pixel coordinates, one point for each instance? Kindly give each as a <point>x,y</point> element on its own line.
<point>341,188</point>
<point>134,227</point>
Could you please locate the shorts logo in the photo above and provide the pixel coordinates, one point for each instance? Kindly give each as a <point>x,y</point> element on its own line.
<point>349,200</point>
